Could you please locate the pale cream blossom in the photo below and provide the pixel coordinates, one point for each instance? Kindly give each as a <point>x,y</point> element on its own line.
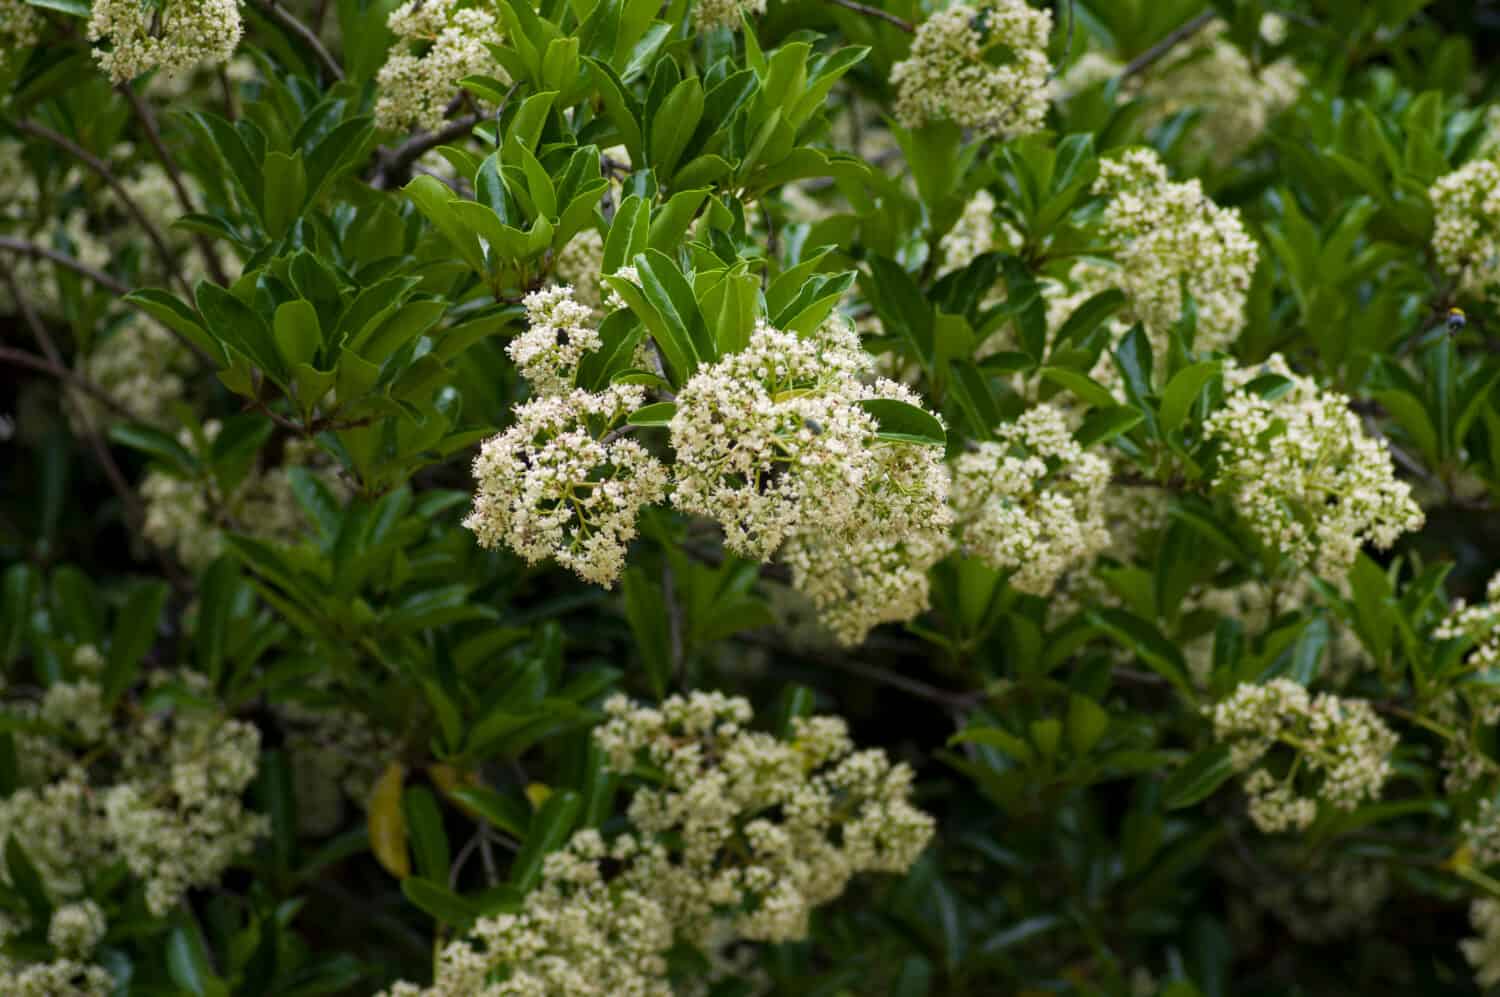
<point>740,838</point>
<point>1466,225</point>
<point>1170,236</point>
<point>1339,750</point>
<point>1306,478</point>
<point>955,72</point>
<point>415,88</point>
<point>175,37</point>
<point>560,484</point>
<point>1029,502</point>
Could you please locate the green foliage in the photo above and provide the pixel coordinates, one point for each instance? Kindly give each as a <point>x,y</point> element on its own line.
<point>320,322</point>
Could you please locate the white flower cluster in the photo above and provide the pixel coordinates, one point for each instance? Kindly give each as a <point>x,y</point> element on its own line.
<point>1466,225</point>
<point>710,14</point>
<point>189,517</point>
<point>1337,742</point>
<point>178,821</point>
<point>140,365</point>
<point>155,791</point>
<point>1319,895</point>
<point>557,485</point>
<point>983,67</point>
<point>773,444</point>
<point>1304,475</point>
<point>335,756</point>
<point>875,570</point>
<point>559,332</point>
<point>771,441</point>
<point>172,37</point>
<point>578,933</point>
<point>1478,624</point>
<point>20,29</point>
<point>415,88</point>
<point>1030,501</point>
<point>59,978</point>
<point>1169,236</point>
<point>1483,952</point>
<point>1237,99</point>
<point>1481,834</point>
<point>742,837</point>
<point>76,928</point>
<point>580,264</point>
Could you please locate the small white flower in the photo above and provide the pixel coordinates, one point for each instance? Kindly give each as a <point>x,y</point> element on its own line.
<point>950,72</point>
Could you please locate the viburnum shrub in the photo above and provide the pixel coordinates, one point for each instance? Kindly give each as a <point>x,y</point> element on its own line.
<point>858,498</point>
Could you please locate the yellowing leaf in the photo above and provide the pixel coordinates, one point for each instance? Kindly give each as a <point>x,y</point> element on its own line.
<point>387,822</point>
<point>537,794</point>
<point>449,778</point>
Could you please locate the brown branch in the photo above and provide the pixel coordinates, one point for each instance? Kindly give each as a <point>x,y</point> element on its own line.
<point>135,512</point>
<point>104,280</point>
<point>39,251</point>
<point>288,20</point>
<point>99,166</point>
<point>1156,52</point>
<point>46,366</point>
<point>395,164</point>
<point>153,135</point>
<point>884,15</point>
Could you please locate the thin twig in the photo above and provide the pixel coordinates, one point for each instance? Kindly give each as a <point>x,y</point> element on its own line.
<point>21,358</point>
<point>174,174</point>
<point>869,11</point>
<point>1154,54</point>
<point>395,164</point>
<point>39,251</point>
<point>289,21</point>
<point>100,167</point>
<point>135,512</point>
<point>101,278</point>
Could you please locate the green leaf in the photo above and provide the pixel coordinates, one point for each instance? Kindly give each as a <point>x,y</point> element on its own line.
<point>1087,722</point>
<point>550,827</point>
<point>901,306</point>
<point>298,335</point>
<point>285,191</point>
<point>628,233</point>
<point>432,197</point>
<point>1085,387</point>
<point>135,632</point>
<point>1089,316</point>
<point>26,879</point>
<point>16,590</point>
<point>440,902</point>
<point>169,310</point>
<point>73,8</point>
<point>994,737</point>
<point>424,824</point>
<point>188,964</point>
<point>1154,650</point>
<point>646,612</point>
<point>156,444</point>
<point>657,414</point>
<point>1182,390</point>
<point>671,294</point>
<point>505,813</point>
<point>1103,424</point>
<point>671,221</point>
<point>903,422</point>
<point>672,126</point>
<point>234,323</point>
<point>1198,778</point>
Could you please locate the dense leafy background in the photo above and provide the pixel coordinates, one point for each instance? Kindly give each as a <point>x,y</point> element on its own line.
<point>1088,841</point>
